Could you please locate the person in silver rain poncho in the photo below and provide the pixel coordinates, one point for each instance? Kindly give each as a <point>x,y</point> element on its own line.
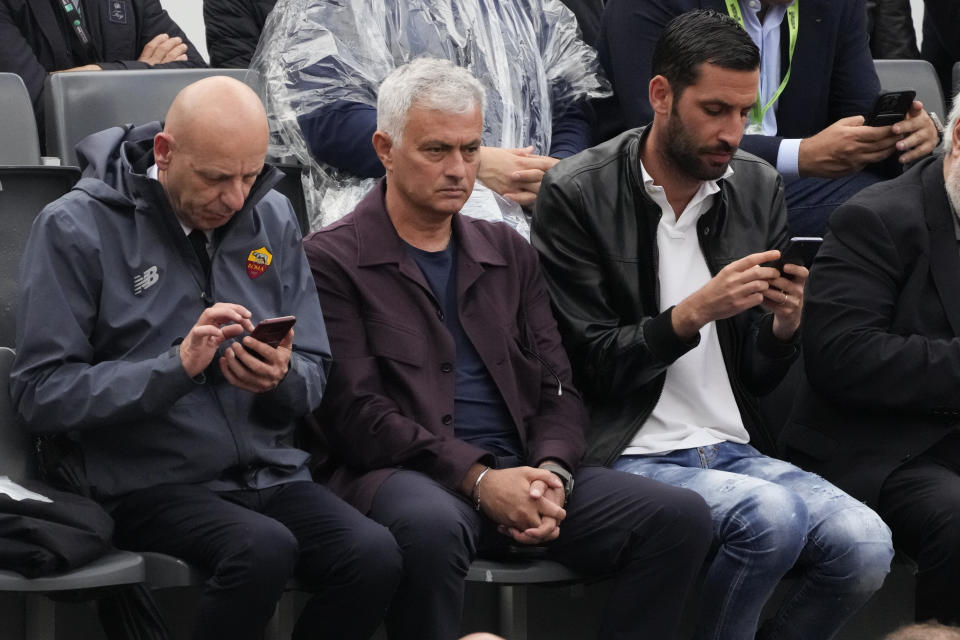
<point>322,62</point>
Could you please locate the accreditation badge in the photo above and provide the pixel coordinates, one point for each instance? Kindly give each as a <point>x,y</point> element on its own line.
<point>754,128</point>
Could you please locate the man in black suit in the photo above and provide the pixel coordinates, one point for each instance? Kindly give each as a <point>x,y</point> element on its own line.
<point>46,36</point>
<point>809,119</point>
<point>879,414</point>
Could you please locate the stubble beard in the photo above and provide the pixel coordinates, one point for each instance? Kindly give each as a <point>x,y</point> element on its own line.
<point>684,155</point>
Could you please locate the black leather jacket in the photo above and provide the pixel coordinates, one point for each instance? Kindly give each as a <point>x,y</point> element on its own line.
<point>595,228</point>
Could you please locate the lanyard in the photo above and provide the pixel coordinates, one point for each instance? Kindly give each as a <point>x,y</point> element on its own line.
<point>793,27</point>
<point>72,9</point>
<point>83,44</point>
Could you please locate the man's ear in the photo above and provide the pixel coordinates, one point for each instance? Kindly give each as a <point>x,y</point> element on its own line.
<point>661,95</point>
<point>162,150</point>
<point>383,145</point>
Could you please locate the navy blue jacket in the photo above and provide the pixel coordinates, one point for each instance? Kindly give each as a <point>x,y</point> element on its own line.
<point>833,74</point>
<point>109,286</point>
<point>32,44</point>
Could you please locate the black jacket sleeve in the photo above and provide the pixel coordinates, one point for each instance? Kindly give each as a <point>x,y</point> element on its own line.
<point>233,30</point>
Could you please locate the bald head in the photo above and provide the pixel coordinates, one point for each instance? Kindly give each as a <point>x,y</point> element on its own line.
<point>211,150</point>
<point>925,631</point>
<point>217,108</point>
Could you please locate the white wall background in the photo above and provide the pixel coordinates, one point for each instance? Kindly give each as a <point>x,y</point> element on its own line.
<point>189,15</point>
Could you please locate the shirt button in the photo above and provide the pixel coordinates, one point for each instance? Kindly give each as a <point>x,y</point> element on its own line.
<point>446,367</point>
<point>447,419</point>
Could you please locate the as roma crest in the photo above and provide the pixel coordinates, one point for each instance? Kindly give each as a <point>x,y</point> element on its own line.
<point>258,261</point>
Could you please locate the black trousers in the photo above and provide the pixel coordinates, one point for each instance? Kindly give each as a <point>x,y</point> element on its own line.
<point>253,541</point>
<point>920,502</point>
<point>653,537</point>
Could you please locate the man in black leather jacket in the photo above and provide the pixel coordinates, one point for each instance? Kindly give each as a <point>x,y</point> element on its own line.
<point>654,247</point>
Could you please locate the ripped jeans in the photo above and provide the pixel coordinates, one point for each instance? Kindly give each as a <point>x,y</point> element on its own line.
<point>768,517</point>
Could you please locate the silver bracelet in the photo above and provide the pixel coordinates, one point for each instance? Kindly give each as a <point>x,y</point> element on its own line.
<point>476,488</point>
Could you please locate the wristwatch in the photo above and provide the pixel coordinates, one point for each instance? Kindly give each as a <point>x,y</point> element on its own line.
<point>565,477</point>
<point>937,124</point>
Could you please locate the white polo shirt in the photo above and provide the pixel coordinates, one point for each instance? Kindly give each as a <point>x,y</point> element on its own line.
<point>697,406</point>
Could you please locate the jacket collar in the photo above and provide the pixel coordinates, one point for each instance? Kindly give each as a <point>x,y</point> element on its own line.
<point>944,257</point>
<point>379,243</point>
<point>635,176</point>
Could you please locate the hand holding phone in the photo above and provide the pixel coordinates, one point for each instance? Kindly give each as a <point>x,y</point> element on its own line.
<point>890,107</point>
<point>272,331</point>
<point>800,250</point>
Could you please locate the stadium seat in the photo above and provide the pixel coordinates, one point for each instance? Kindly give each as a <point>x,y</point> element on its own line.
<point>292,187</point>
<point>918,75</point>
<point>19,143</point>
<point>24,191</point>
<point>84,102</point>
<point>511,578</point>
<point>114,569</point>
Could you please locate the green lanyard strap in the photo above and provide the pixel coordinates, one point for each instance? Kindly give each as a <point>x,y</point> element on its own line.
<point>793,27</point>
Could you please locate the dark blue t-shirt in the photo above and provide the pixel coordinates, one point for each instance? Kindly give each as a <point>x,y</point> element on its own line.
<point>480,414</point>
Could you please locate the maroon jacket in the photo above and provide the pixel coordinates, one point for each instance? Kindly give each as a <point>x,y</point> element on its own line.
<point>389,400</point>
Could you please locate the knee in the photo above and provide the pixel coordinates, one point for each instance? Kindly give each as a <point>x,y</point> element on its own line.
<point>371,559</point>
<point>263,554</point>
<point>435,538</point>
<point>684,519</point>
<point>770,520</point>
<point>941,534</point>
<point>857,547</point>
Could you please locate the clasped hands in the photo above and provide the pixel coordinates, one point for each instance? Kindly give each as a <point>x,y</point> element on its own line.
<point>225,321</point>
<point>526,503</point>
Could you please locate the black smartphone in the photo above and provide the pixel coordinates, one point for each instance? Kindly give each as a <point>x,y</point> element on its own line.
<point>800,250</point>
<point>271,331</point>
<point>890,107</point>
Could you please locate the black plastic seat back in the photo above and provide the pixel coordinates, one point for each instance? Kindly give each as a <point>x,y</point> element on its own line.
<point>24,192</point>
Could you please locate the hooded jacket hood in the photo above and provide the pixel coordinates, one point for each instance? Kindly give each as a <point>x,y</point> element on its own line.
<point>106,157</point>
<point>114,163</point>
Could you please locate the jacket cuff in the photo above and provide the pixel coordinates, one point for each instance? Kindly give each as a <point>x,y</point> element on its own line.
<point>771,346</point>
<point>663,341</point>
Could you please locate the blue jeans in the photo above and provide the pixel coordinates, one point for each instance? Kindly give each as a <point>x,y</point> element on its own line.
<point>769,516</point>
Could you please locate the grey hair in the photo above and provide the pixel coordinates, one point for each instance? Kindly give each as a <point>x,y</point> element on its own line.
<point>428,83</point>
<point>947,143</point>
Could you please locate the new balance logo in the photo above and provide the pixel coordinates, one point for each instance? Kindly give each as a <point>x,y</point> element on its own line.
<point>145,280</point>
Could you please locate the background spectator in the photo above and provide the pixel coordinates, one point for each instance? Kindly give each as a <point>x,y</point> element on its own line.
<point>813,133</point>
<point>37,38</point>
<point>324,59</point>
<point>941,39</point>
<point>890,26</point>
<point>233,30</point>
